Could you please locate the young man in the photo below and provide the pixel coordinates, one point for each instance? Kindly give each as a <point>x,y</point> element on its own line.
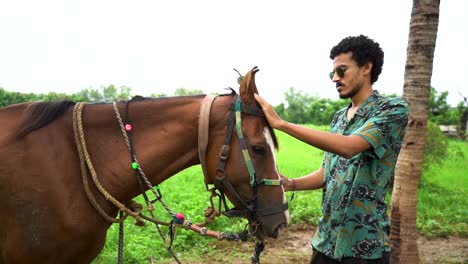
<point>361,150</point>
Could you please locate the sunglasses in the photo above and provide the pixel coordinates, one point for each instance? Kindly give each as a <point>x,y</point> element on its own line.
<point>340,71</point>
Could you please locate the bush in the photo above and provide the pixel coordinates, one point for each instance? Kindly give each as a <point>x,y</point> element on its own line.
<point>436,149</point>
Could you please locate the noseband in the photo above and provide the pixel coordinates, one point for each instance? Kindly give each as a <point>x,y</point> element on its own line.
<point>222,184</point>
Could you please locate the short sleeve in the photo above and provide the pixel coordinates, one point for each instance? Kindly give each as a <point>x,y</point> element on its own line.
<point>385,127</point>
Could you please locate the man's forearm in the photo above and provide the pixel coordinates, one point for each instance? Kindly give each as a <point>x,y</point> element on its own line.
<point>346,146</point>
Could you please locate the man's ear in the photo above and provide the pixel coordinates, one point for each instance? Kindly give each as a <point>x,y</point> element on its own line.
<point>367,68</point>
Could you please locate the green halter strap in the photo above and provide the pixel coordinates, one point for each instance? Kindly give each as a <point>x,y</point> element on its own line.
<point>245,152</point>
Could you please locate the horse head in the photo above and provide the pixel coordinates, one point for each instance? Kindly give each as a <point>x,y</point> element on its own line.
<point>248,173</point>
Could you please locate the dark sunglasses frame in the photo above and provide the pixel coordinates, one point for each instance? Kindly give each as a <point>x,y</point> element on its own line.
<point>340,71</point>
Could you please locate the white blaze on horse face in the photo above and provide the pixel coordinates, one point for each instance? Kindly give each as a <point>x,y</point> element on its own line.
<point>269,139</point>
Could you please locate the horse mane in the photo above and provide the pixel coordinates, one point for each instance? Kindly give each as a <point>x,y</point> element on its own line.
<point>39,114</point>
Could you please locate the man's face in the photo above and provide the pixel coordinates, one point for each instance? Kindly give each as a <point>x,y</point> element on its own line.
<point>347,76</point>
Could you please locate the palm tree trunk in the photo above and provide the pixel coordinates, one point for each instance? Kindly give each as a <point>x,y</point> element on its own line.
<point>416,90</point>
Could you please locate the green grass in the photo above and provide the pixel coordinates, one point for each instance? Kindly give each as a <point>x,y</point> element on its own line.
<point>441,207</point>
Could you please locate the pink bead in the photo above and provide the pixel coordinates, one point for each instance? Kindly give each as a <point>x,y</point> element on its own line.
<point>180,216</point>
<point>128,127</point>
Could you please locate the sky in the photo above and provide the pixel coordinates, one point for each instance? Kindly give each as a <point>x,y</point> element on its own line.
<point>156,47</point>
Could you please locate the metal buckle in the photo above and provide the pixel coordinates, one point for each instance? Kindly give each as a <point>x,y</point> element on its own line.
<point>224,152</point>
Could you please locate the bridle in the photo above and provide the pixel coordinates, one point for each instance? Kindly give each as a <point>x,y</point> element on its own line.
<point>221,182</point>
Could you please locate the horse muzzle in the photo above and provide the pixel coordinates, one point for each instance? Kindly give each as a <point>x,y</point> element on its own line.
<point>263,222</point>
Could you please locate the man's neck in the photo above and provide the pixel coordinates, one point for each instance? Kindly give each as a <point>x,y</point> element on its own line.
<point>360,97</point>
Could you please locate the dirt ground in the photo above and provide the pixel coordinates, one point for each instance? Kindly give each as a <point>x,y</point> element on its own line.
<point>293,246</point>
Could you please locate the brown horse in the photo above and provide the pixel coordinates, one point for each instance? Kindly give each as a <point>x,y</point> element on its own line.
<point>47,217</point>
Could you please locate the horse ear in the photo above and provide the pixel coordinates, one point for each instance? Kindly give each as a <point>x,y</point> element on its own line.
<point>248,87</point>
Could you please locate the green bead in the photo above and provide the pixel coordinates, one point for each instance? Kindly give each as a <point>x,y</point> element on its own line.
<point>134,165</point>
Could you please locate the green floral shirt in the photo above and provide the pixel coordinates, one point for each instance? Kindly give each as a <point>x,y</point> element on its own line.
<point>354,220</point>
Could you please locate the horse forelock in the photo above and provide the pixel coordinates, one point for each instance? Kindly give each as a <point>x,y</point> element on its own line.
<point>272,131</point>
<point>39,114</point>
<point>273,137</point>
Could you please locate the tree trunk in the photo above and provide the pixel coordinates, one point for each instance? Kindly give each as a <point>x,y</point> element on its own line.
<point>416,91</point>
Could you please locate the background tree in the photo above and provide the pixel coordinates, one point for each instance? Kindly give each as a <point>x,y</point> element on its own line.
<point>8,98</point>
<point>439,109</point>
<point>462,114</point>
<point>108,93</point>
<point>157,95</point>
<point>297,105</point>
<point>322,110</point>
<point>416,90</point>
<point>184,91</point>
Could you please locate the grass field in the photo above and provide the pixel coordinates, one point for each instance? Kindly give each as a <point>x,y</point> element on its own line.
<point>441,208</point>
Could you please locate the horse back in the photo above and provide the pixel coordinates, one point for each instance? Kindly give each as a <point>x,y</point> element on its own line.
<point>11,117</point>
<point>40,185</point>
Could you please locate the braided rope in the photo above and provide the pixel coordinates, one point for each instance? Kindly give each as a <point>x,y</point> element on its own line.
<point>143,175</point>
<point>84,176</point>
<point>84,155</point>
<point>148,183</point>
<point>85,160</point>
<point>120,247</point>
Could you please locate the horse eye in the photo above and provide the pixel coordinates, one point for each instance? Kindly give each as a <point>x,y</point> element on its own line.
<point>258,150</point>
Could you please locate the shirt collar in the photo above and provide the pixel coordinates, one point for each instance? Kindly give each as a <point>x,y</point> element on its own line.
<point>368,103</point>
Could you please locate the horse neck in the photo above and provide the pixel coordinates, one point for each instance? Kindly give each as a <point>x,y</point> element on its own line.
<point>164,138</point>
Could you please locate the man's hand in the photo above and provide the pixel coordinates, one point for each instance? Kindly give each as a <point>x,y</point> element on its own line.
<point>288,184</point>
<point>272,117</point>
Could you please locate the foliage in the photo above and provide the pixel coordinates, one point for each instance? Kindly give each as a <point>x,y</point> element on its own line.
<point>104,94</point>
<point>8,98</point>
<point>322,110</point>
<point>439,109</point>
<point>298,102</point>
<point>184,91</point>
<point>302,108</point>
<point>462,114</point>
<point>441,113</point>
<point>443,188</point>
<point>436,146</point>
<point>158,95</point>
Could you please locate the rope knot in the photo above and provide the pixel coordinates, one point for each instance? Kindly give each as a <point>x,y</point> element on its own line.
<point>210,214</point>
<point>136,208</point>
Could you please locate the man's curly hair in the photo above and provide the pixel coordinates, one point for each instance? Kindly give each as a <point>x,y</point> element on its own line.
<point>364,50</point>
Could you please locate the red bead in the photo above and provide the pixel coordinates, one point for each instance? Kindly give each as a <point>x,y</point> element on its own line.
<point>128,127</point>
<point>180,216</point>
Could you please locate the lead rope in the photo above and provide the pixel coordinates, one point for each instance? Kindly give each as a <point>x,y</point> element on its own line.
<point>178,219</point>
<point>259,246</point>
<point>121,241</point>
<point>140,174</point>
<point>86,161</point>
<point>135,208</point>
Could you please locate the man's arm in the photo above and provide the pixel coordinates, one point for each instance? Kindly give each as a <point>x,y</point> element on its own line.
<point>311,181</point>
<point>345,146</point>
